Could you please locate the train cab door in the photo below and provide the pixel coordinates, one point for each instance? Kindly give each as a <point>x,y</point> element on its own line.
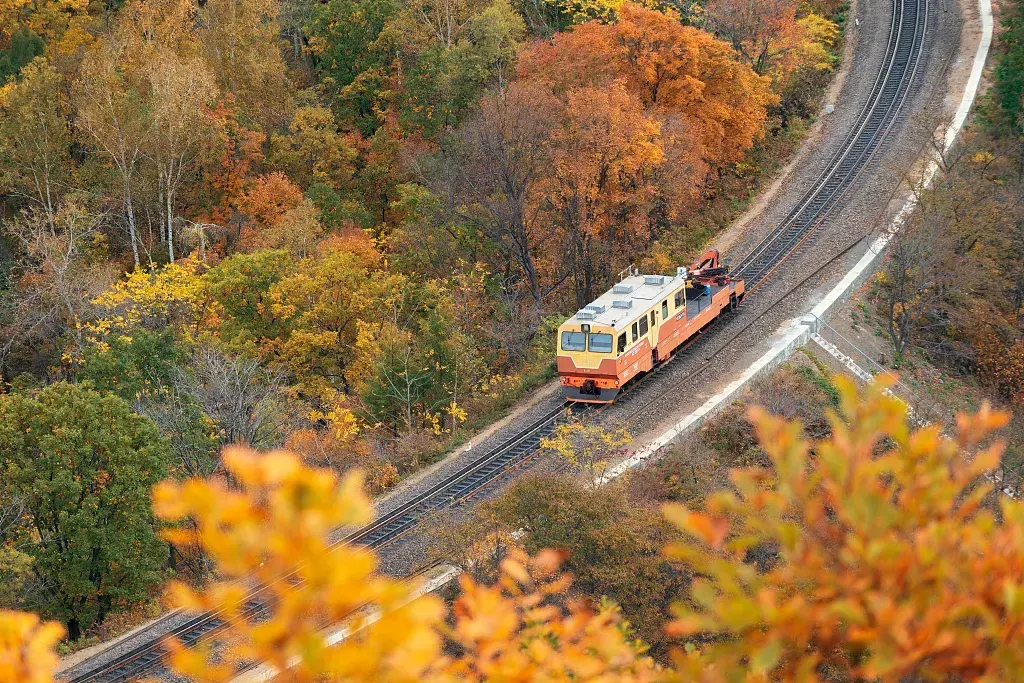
<point>652,333</point>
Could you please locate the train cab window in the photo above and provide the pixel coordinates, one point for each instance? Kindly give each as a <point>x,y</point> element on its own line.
<point>600,343</point>
<point>664,309</point>
<point>636,334</point>
<point>622,342</point>
<point>643,325</point>
<point>574,341</point>
<point>654,319</point>
<point>679,299</point>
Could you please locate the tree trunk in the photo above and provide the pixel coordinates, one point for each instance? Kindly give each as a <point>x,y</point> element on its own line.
<point>130,215</point>
<point>169,198</point>
<point>105,603</point>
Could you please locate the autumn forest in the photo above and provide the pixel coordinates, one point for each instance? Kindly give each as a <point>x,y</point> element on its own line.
<point>346,228</point>
<point>262,261</point>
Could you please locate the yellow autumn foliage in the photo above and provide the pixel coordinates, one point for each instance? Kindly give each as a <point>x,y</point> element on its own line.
<point>272,530</point>
<point>585,447</point>
<point>874,554</point>
<point>26,647</point>
<point>169,295</point>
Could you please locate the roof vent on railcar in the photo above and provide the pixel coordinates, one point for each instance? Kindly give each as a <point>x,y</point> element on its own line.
<point>622,303</point>
<point>654,279</point>
<point>584,314</point>
<point>597,309</point>
<point>622,289</point>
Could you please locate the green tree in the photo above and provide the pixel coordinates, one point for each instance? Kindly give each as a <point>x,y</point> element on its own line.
<point>23,48</point>
<point>82,463</point>
<point>613,544</point>
<point>240,285</point>
<point>136,366</point>
<point>313,150</point>
<point>1008,89</point>
<point>414,363</point>
<point>445,74</point>
<point>146,370</point>
<point>342,36</point>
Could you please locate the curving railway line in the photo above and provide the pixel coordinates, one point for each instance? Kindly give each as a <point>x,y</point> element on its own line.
<point>904,50</point>
<point>893,83</point>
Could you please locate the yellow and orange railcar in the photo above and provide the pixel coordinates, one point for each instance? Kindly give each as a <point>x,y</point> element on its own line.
<point>638,324</point>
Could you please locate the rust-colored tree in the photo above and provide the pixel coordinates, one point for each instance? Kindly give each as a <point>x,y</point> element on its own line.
<point>601,188</point>
<point>648,109</point>
<point>235,152</point>
<point>1000,356</point>
<point>761,31</point>
<point>675,71</point>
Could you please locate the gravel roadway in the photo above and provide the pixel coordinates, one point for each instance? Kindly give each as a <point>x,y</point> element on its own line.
<point>663,399</point>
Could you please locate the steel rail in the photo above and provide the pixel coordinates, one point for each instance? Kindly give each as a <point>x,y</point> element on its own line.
<point>900,66</point>
<point>147,659</point>
<point>875,121</point>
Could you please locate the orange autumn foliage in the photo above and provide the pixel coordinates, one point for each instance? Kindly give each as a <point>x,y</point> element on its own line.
<point>676,72</point>
<point>279,521</point>
<point>606,153</point>
<point>1001,360</point>
<point>238,150</point>
<point>762,31</point>
<point>768,35</point>
<point>641,112</point>
<point>519,631</point>
<point>26,648</point>
<point>268,198</point>
<point>267,202</point>
<point>881,560</point>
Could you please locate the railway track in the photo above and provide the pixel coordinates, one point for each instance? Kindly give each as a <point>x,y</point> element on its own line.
<point>900,65</point>
<point>147,659</point>
<point>892,85</point>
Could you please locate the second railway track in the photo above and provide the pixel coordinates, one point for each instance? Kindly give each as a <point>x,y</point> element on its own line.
<point>900,66</point>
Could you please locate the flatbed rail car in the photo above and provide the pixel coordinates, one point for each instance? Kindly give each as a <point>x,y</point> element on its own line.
<point>638,324</point>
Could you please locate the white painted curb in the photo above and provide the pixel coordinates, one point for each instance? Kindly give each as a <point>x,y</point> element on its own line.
<point>441,576</point>
<point>796,333</point>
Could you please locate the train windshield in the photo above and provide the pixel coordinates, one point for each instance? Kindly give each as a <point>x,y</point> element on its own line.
<point>600,343</point>
<point>574,341</point>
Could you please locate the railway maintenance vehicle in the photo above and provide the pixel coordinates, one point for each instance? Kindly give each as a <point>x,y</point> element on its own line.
<point>639,323</point>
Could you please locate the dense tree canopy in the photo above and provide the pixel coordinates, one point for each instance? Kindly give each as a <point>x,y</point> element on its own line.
<point>349,226</point>
<point>1009,72</point>
<point>436,163</point>
<point>82,463</point>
